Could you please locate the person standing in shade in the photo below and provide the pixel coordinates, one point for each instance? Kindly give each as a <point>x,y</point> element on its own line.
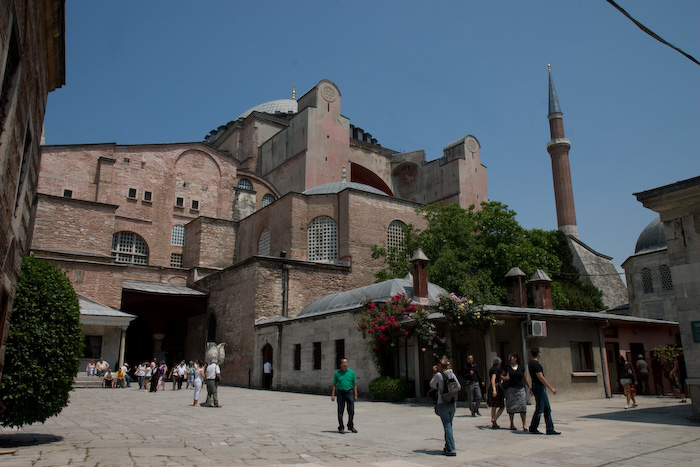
<point>642,373</point>
<point>539,390</point>
<point>267,375</point>
<point>345,383</point>
<point>474,383</point>
<point>446,408</point>
<point>210,374</point>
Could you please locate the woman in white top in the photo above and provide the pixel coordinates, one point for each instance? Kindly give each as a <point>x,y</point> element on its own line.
<point>141,373</point>
<point>197,383</point>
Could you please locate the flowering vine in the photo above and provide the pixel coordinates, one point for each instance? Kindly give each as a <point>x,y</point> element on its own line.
<point>464,315</point>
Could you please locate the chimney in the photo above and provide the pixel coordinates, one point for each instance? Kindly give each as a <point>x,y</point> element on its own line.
<point>542,290</point>
<point>419,270</point>
<point>515,285</point>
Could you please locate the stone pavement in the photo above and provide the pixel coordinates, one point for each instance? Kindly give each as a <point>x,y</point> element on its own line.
<point>125,427</point>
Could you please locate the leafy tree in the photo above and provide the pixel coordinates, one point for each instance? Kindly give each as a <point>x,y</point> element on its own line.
<point>472,250</point>
<point>44,344</point>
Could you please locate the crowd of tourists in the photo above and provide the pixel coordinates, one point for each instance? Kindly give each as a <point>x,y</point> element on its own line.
<point>152,376</point>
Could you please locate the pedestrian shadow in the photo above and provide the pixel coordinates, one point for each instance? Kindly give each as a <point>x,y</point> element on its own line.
<point>668,415</point>
<point>428,452</point>
<point>16,440</point>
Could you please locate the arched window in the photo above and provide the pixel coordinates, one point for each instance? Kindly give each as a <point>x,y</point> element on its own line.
<point>666,280</point>
<point>323,239</point>
<point>177,235</point>
<point>130,248</point>
<point>244,184</point>
<point>268,199</point>
<point>211,329</point>
<point>647,284</point>
<point>395,238</point>
<point>264,243</point>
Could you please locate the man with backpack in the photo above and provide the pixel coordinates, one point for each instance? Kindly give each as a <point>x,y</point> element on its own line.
<point>447,387</point>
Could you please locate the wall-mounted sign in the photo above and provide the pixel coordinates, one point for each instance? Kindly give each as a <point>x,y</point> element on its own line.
<point>695,327</point>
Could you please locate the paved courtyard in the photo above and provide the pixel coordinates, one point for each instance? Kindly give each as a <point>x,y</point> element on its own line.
<point>125,427</point>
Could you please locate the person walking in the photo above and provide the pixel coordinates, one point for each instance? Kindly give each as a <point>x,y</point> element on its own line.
<point>495,398</point>
<point>211,374</point>
<point>516,398</point>
<point>446,408</point>
<point>474,383</point>
<point>141,374</point>
<point>627,380</point>
<point>181,372</point>
<point>345,383</point>
<point>681,371</point>
<point>539,390</point>
<point>197,378</point>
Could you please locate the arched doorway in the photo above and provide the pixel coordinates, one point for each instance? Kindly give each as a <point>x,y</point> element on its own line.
<point>267,359</point>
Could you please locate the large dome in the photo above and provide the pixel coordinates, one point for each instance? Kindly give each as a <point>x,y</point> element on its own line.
<point>280,106</point>
<point>652,238</point>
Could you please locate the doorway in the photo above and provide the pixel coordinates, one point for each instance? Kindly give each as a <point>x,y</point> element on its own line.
<point>267,354</point>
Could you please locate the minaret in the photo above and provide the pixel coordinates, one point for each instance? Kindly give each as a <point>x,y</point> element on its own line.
<point>558,148</point>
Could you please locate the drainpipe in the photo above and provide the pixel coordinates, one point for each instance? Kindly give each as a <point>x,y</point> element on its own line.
<point>524,349</point>
<point>604,361</point>
<point>285,288</point>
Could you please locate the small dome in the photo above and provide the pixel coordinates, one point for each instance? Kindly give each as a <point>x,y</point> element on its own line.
<point>652,238</point>
<point>337,187</point>
<point>280,106</point>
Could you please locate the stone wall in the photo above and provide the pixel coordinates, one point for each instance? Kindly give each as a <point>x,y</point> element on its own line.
<point>32,47</point>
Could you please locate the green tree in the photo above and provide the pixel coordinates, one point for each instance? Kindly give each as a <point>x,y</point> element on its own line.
<point>44,344</point>
<point>471,251</point>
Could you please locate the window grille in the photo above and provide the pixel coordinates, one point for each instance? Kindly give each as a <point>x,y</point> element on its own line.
<point>666,280</point>
<point>175,260</point>
<point>130,248</point>
<point>339,351</point>
<point>267,200</point>
<point>647,283</point>
<point>179,202</point>
<point>177,235</point>
<point>264,243</point>
<point>395,239</point>
<point>245,185</point>
<point>131,194</point>
<point>323,239</point>
<point>194,205</point>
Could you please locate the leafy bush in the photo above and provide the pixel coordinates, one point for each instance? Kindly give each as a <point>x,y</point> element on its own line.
<point>44,344</point>
<point>386,388</point>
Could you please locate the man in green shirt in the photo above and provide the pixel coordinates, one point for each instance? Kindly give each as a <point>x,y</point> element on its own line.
<point>345,382</point>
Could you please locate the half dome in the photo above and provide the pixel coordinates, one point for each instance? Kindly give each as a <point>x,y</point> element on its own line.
<point>337,187</point>
<point>652,238</point>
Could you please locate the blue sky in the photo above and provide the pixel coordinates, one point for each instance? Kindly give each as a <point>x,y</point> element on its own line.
<point>417,75</point>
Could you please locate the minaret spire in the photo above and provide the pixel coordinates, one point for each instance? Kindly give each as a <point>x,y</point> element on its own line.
<point>558,148</point>
<point>554,107</point>
<point>294,92</point>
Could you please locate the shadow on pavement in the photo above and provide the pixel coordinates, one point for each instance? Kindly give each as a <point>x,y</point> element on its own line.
<point>662,415</point>
<point>429,452</point>
<point>16,440</point>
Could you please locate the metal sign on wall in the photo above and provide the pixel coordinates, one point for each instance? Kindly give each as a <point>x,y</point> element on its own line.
<point>695,327</point>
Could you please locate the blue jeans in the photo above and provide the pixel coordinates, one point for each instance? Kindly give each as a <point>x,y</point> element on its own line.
<point>446,411</point>
<point>541,406</point>
<point>346,397</point>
